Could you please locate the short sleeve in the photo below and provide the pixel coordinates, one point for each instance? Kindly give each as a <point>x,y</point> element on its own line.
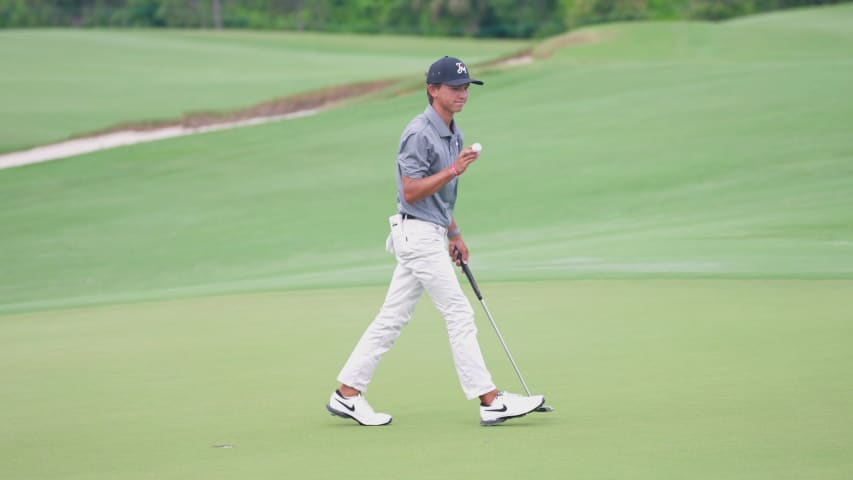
<point>413,158</point>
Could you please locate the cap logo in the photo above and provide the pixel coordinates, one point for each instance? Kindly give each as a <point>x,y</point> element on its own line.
<point>461,68</point>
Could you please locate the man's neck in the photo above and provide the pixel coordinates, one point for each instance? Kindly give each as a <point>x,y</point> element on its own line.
<point>446,116</point>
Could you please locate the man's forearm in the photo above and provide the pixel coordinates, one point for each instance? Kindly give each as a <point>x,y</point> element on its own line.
<point>416,189</point>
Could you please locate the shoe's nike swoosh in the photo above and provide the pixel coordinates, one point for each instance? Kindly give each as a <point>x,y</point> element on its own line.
<point>497,409</point>
<point>352,408</point>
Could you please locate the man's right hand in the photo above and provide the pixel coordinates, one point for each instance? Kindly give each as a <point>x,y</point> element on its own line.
<point>416,189</point>
<point>466,158</point>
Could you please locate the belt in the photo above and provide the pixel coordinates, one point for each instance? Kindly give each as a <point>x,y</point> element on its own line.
<point>406,216</point>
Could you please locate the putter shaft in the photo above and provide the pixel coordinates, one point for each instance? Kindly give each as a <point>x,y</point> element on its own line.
<point>503,344</point>
<point>543,408</point>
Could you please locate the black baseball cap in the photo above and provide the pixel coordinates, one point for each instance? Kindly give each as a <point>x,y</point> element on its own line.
<point>449,71</point>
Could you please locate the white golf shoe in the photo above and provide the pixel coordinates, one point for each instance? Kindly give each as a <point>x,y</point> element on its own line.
<point>357,409</point>
<point>509,405</point>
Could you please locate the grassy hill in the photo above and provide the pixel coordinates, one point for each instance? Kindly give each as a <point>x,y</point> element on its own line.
<point>64,82</point>
<point>655,150</point>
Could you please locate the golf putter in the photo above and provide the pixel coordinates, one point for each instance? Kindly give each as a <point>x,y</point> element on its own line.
<point>473,282</point>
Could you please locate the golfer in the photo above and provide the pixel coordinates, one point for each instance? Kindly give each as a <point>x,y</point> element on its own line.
<point>429,162</point>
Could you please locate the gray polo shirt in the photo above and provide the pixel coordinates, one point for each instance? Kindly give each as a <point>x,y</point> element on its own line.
<point>427,146</point>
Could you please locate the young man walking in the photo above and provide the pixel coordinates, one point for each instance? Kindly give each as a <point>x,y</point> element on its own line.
<point>429,162</point>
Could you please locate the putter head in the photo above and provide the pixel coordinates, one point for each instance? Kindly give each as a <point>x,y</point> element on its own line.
<point>545,409</point>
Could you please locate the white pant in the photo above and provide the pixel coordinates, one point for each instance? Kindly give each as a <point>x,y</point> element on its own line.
<point>423,264</point>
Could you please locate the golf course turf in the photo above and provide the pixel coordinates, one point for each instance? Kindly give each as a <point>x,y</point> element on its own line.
<point>660,223</point>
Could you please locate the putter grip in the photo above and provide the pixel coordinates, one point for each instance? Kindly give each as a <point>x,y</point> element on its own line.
<point>470,276</point>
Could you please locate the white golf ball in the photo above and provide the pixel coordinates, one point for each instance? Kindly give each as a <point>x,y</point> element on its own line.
<point>476,147</point>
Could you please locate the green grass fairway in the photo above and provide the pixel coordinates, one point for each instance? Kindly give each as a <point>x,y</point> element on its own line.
<point>712,164</point>
<point>60,82</point>
<point>649,379</point>
<point>661,223</point>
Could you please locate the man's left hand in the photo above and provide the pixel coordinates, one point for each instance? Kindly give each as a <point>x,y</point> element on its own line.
<point>457,246</point>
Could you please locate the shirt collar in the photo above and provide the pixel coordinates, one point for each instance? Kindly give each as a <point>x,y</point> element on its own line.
<point>437,122</point>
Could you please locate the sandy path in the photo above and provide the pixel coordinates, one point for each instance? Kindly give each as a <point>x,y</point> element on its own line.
<point>79,146</point>
<point>298,106</point>
<point>304,105</point>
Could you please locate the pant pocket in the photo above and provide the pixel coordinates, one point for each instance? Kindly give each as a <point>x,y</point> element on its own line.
<point>422,237</point>
<point>389,244</point>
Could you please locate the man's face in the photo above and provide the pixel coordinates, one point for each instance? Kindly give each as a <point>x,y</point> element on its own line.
<point>450,99</point>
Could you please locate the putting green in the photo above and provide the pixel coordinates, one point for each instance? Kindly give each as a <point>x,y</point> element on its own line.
<point>649,379</point>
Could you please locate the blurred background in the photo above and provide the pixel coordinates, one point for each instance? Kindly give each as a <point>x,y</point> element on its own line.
<point>476,18</point>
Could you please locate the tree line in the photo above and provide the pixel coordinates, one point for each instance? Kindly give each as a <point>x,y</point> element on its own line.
<point>470,18</point>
